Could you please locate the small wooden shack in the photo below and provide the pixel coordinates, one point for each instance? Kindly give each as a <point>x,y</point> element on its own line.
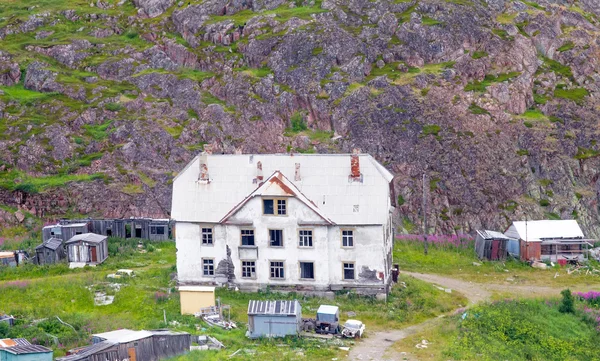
<point>8,259</point>
<point>274,318</point>
<point>50,252</point>
<point>20,349</point>
<point>144,228</point>
<point>87,248</point>
<point>65,231</point>
<point>492,245</point>
<point>7,319</point>
<point>133,346</point>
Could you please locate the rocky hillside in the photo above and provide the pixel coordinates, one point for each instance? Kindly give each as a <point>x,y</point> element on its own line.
<point>103,101</point>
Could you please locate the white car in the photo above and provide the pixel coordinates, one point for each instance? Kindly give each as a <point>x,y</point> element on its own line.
<point>122,273</point>
<point>353,329</point>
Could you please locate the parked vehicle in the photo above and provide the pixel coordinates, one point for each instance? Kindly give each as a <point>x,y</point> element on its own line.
<point>328,319</point>
<point>122,273</point>
<point>353,329</point>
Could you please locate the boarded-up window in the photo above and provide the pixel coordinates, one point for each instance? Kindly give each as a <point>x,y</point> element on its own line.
<point>307,270</point>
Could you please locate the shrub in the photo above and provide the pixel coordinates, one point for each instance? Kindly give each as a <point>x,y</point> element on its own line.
<point>297,122</point>
<point>113,107</point>
<point>567,303</point>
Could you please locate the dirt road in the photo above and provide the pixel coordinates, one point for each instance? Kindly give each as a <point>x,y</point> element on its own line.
<point>373,348</point>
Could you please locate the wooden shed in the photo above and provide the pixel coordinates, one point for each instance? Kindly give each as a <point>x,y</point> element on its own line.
<point>133,346</point>
<point>20,349</point>
<point>144,228</point>
<point>8,258</point>
<point>50,252</point>
<point>492,245</point>
<point>65,231</point>
<point>87,248</point>
<point>274,318</point>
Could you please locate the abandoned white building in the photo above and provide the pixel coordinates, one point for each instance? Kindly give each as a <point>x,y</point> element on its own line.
<point>304,222</point>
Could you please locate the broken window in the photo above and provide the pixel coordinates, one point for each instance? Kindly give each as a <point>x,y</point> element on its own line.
<point>268,206</point>
<point>207,236</point>
<point>275,207</point>
<point>305,238</point>
<point>276,237</point>
<point>307,270</point>
<point>247,237</point>
<point>347,238</point>
<point>152,229</point>
<point>208,266</point>
<point>277,270</point>
<point>160,230</point>
<point>248,269</point>
<point>348,270</point>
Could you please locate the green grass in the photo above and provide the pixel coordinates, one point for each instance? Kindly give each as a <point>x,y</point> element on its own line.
<point>97,132</point>
<point>476,109</point>
<point>433,129</point>
<point>489,80</point>
<point>430,21</point>
<point>523,330</point>
<point>569,45</point>
<point>57,290</point>
<point>479,54</point>
<point>576,94</point>
<point>586,153</point>
<point>24,96</point>
<point>556,67</point>
<point>15,180</point>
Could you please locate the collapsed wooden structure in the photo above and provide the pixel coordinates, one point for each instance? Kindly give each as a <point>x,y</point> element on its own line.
<point>144,228</point>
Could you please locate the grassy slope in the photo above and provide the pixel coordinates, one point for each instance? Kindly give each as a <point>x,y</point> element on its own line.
<point>507,330</point>
<point>458,262</point>
<point>57,291</point>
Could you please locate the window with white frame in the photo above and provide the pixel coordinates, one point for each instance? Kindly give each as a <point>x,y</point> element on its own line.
<point>307,270</point>
<point>247,237</point>
<point>277,270</point>
<point>348,270</point>
<point>347,238</point>
<point>281,207</point>
<point>305,238</point>
<point>207,236</point>
<point>248,269</point>
<point>208,266</point>
<point>276,237</point>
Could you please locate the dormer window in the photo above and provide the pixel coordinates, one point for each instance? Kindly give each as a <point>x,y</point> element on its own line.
<point>276,207</point>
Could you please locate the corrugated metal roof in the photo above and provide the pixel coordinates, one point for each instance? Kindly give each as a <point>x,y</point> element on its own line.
<point>328,310</point>
<point>276,308</point>
<point>87,237</point>
<point>324,182</point>
<point>83,352</point>
<point>536,231</point>
<point>485,234</point>
<point>52,243</point>
<point>19,350</point>
<point>124,335</point>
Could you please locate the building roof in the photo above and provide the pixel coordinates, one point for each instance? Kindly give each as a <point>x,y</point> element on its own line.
<point>324,182</point>
<point>19,350</point>
<point>68,225</point>
<point>52,243</point>
<point>327,309</point>
<point>123,336</point>
<point>82,353</point>
<point>275,308</point>
<point>196,288</point>
<point>485,234</point>
<point>87,237</point>
<point>10,342</point>
<point>537,231</point>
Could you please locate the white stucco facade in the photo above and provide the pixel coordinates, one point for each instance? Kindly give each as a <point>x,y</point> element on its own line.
<point>360,206</point>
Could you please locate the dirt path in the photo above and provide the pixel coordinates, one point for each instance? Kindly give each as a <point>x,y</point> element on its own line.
<point>478,292</point>
<point>373,347</point>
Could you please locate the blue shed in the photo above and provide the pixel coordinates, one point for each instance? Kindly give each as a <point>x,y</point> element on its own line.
<point>274,318</point>
<point>26,353</point>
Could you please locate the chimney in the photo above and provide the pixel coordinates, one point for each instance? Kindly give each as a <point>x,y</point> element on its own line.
<point>259,173</point>
<point>355,165</point>
<point>297,176</point>
<point>208,149</point>
<point>203,175</point>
